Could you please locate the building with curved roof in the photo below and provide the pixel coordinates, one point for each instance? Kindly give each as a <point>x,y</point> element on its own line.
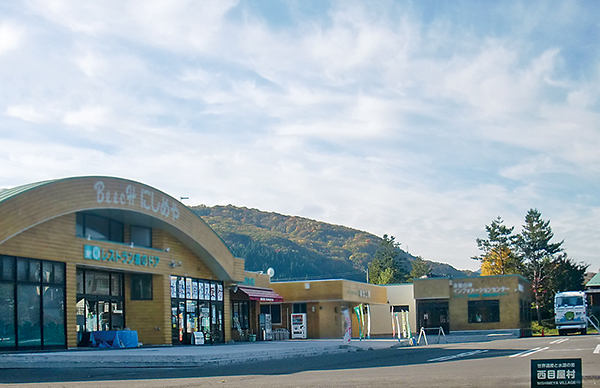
<point>94,254</point>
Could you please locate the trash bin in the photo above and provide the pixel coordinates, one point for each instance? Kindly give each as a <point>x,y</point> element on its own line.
<point>252,337</point>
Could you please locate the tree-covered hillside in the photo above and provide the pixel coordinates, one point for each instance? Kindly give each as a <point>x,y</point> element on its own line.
<point>298,248</point>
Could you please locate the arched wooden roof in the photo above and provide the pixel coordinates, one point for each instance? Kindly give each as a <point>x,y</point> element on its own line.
<point>24,207</point>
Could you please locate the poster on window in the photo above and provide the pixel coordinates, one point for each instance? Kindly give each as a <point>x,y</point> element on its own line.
<point>173,287</point>
<point>200,290</point>
<point>213,292</point>
<point>219,292</point>
<point>207,291</point>
<point>194,289</point>
<point>181,288</point>
<point>188,288</point>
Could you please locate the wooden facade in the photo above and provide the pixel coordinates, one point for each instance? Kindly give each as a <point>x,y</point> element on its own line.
<point>39,222</point>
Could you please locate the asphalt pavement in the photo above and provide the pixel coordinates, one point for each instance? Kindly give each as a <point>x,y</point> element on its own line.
<point>221,354</point>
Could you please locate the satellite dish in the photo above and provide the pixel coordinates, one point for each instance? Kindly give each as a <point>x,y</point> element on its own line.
<point>270,272</point>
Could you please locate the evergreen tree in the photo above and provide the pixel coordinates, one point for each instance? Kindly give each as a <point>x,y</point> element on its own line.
<point>386,267</point>
<point>498,257</point>
<point>419,268</point>
<point>539,258</point>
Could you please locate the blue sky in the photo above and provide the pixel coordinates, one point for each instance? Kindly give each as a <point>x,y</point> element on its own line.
<point>424,120</point>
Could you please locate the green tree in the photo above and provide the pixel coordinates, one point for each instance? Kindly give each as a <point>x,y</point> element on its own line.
<point>499,250</point>
<point>419,268</point>
<point>387,267</point>
<point>539,257</point>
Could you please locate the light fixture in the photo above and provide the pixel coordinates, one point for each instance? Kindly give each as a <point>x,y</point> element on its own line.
<point>174,264</point>
<point>167,249</point>
<point>131,244</point>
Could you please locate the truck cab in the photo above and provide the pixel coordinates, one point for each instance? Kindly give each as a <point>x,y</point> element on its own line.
<point>570,312</point>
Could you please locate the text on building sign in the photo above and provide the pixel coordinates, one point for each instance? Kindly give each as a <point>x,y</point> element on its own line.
<point>146,200</point>
<point>91,252</point>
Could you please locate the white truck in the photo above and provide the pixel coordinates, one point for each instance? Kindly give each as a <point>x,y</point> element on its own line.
<point>570,312</point>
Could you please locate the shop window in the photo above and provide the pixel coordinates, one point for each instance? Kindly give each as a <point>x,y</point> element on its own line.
<point>7,315</point>
<point>31,308</point>
<point>98,228</point>
<point>7,272</point>
<point>299,308</point>
<point>141,236</point>
<point>240,314</point>
<point>141,287</point>
<point>274,310</point>
<point>99,303</point>
<point>484,311</point>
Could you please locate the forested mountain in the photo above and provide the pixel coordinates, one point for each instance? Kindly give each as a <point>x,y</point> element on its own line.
<point>299,248</point>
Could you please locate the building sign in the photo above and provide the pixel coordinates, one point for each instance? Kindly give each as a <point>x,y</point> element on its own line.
<point>138,197</point>
<point>462,289</point>
<point>559,372</point>
<point>92,252</point>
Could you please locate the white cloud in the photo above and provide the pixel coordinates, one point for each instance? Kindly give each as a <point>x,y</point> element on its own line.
<point>11,36</point>
<point>385,117</point>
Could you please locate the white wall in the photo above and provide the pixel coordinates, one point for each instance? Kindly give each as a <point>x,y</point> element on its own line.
<point>398,295</point>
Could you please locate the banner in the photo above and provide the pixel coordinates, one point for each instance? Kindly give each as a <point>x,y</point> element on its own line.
<point>357,311</point>
<point>347,326</point>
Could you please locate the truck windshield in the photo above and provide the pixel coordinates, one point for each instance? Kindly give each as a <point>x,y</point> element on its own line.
<point>569,301</point>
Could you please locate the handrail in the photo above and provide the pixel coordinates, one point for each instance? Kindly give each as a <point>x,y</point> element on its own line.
<point>595,324</point>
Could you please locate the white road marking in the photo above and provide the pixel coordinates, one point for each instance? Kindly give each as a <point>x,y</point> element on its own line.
<point>597,350</point>
<point>529,352</point>
<point>559,341</point>
<point>460,355</point>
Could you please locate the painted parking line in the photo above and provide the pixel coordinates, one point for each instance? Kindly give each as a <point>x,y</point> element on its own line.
<point>597,350</point>
<point>559,341</point>
<point>460,355</point>
<point>529,352</point>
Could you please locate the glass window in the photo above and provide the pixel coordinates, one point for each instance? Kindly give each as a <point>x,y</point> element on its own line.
<point>54,312</point>
<point>28,316</point>
<point>274,310</point>
<point>241,310</point>
<point>141,236</point>
<point>299,308</point>
<point>97,283</point>
<point>482,311</point>
<point>276,314</point>
<point>97,228</point>
<point>116,284</point>
<point>7,315</point>
<point>47,268</point>
<point>8,268</point>
<point>80,281</point>
<point>59,273</point>
<point>22,269</point>
<point>79,228</point>
<point>141,287</point>
<point>35,271</point>
<point>116,231</point>
<point>117,316</point>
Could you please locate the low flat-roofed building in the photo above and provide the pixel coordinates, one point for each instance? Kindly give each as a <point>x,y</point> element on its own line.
<point>475,303</point>
<point>323,302</point>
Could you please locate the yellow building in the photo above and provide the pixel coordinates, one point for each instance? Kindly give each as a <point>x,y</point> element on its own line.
<point>480,303</point>
<point>323,302</point>
<point>92,254</point>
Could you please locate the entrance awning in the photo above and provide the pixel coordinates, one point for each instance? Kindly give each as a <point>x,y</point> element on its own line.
<point>261,294</point>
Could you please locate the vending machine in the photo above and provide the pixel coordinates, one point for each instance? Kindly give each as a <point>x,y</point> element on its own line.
<point>298,326</point>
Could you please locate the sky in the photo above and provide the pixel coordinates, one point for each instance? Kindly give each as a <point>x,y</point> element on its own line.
<point>424,120</point>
